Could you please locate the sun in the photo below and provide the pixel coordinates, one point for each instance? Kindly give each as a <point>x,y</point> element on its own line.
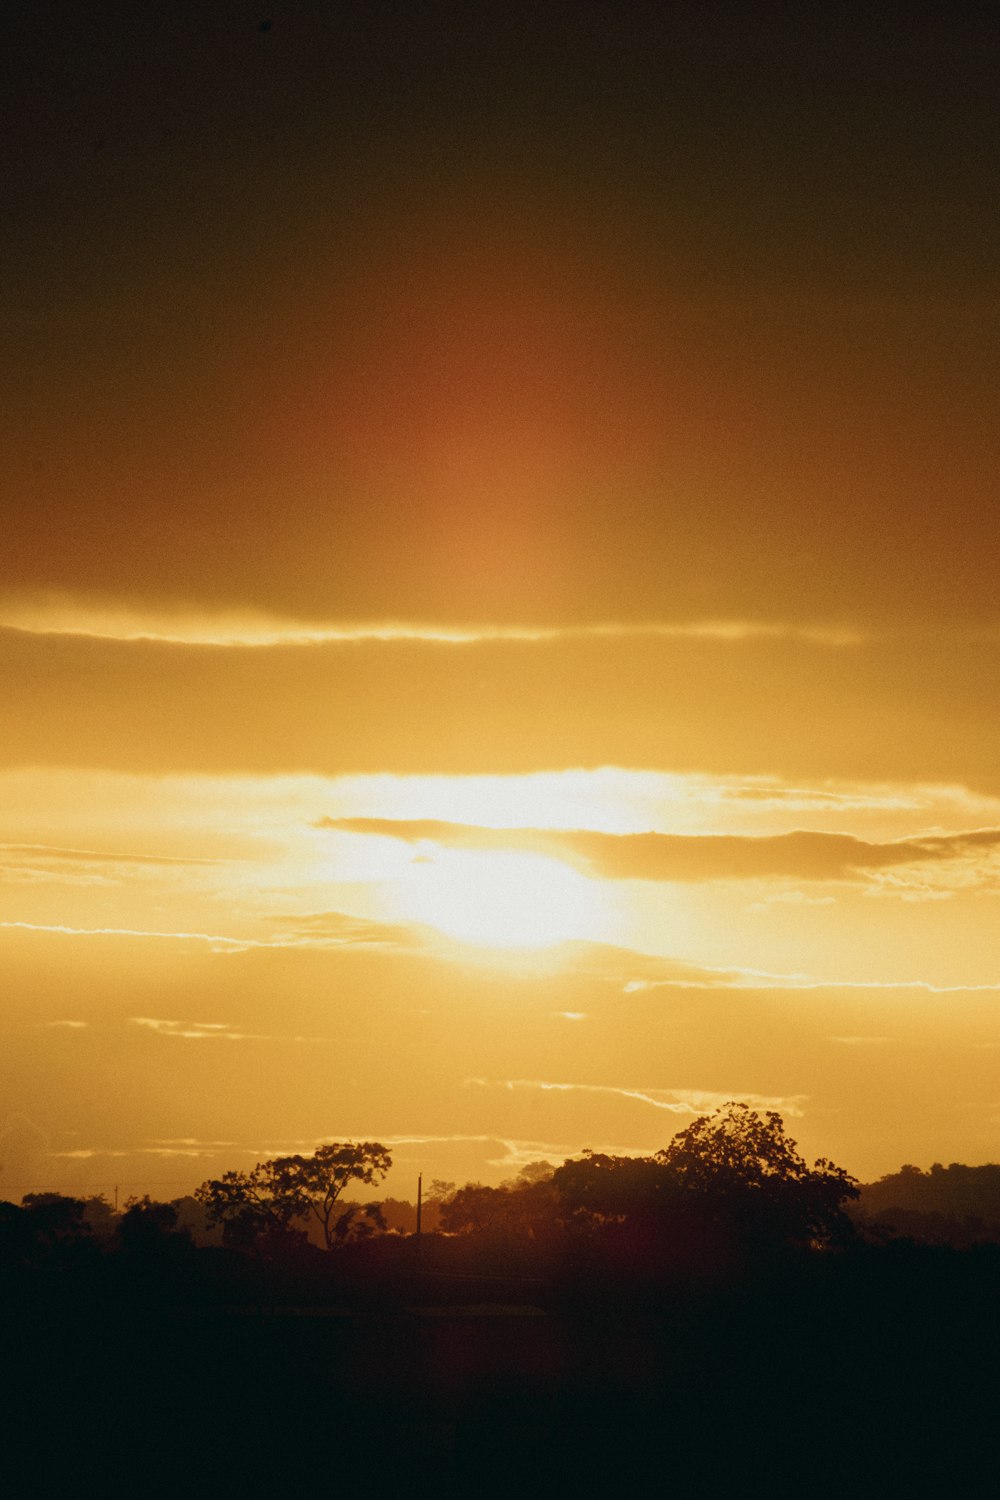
<point>501,898</point>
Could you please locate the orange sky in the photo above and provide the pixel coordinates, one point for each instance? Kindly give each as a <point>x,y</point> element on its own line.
<point>498,621</point>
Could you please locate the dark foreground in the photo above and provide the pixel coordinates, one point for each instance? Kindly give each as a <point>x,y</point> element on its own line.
<point>874,1375</point>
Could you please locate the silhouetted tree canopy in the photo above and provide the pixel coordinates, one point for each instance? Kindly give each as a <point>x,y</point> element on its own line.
<point>955,1205</point>
<point>733,1175</point>
<point>53,1217</point>
<point>745,1163</point>
<point>268,1201</point>
<point>147,1227</point>
<point>525,1207</point>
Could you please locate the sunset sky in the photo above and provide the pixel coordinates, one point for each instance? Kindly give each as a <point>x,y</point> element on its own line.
<point>499,622</point>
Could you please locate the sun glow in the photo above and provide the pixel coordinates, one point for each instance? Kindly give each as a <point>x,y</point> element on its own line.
<point>503,898</point>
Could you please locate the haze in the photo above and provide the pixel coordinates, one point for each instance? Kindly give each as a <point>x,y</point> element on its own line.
<point>498,618</point>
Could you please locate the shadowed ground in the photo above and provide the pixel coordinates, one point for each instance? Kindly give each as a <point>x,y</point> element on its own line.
<point>878,1374</point>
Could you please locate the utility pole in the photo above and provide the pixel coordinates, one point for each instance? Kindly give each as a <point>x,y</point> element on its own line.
<point>420,1201</point>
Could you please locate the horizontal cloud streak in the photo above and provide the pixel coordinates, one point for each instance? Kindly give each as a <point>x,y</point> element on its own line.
<point>215,940</point>
<point>333,930</point>
<point>200,1031</point>
<point>38,864</point>
<point>64,615</point>
<point>101,856</point>
<point>801,855</point>
<point>673,1101</point>
<point>499,707</point>
<point>629,969</point>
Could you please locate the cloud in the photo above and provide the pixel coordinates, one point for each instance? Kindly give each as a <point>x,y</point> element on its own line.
<point>861,1041</point>
<point>335,929</point>
<point>70,1025</point>
<point>412,706</point>
<point>39,864</point>
<point>15,873</point>
<point>673,1101</point>
<point>627,968</point>
<point>679,975</point>
<point>799,855</point>
<point>200,1031</point>
<point>507,1153</point>
<point>636,972</point>
<point>55,854</point>
<point>790,897</point>
<point>86,1153</point>
<point>189,1141</point>
<point>61,614</point>
<point>217,942</point>
<point>183,1148</point>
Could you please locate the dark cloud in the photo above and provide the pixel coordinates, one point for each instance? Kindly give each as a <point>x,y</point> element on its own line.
<point>800,855</point>
<point>762,706</point>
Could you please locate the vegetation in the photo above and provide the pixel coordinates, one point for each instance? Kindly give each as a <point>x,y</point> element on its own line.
<point>729,1190</point>
<point>955,1205</point>
<point>706,1311</point>
<point>733,1176</point>
<point>270,1200</point>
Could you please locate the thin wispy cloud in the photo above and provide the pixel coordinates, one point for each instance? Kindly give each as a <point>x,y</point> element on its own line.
<point>190,1151</point>
<point>216,941</point>
<point>189,1141</point>
<point>320,930</point>
<point>102,856</point>
<point>751,980</point>
<point>44,864</point>
<point>176,624</point>
<point>198,1031</point>
<point>62,615</point>
<point>673,1101</point>
<point>334,929</point>
<point>861,1041</point>
<point>633,971</point>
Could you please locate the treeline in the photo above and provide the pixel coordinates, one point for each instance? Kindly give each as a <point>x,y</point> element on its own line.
<point>719,1312</point>
<point>954,1205</point>
<point>728,1195</point>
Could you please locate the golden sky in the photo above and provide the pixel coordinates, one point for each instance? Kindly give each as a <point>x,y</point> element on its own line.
<point>498,624</point>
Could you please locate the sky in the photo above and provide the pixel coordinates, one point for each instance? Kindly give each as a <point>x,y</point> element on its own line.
<point>498,624</point>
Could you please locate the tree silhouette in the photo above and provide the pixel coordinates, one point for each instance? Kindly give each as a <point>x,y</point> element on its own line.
<point>147,1226</point>
<point>270,1200</point>
<point>744,1166</point>
<point>524,1208</point>
<point>730,1178</point>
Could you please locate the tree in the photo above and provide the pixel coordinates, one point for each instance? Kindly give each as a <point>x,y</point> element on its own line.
<point>268,1201</point>
<point>438,1191</point>
<point>55,1218</point>
<point>148,1228</point>
<point>599,1191</point>
<point>742,1166</point>
<point>730,1179</point>
<point>473,1209</point>
<point>523,1209</point>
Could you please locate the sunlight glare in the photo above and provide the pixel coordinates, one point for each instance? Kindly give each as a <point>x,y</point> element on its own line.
<point>502,898</point>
